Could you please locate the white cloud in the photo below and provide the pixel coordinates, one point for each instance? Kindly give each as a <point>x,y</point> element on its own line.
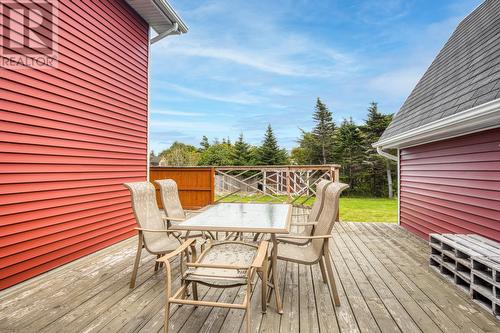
<point>239,98</point>
<point>397,83</point>
<point>240,57</point>
<point>176,113</point>
<point>281,91</point>
<point>293,55</point>
<point>188,127</point>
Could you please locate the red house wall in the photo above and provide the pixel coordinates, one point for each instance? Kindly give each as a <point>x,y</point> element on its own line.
<point>69,138</point>
<point>452,186</point>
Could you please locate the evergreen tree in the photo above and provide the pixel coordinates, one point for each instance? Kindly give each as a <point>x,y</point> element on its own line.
<point>204,143</point>
<point>323,132</point>
<point>241,154</point>
<point>269,152</point>
<point>380,168</point>
<point>306,152</point>
<point>351,151</point>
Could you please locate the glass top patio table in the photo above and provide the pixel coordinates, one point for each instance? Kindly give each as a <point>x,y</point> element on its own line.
<point>241,217</point>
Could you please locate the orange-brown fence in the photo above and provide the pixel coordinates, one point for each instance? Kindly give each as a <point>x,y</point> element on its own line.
<point>196,184</point>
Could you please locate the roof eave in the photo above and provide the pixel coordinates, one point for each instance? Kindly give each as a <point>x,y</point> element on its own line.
<point>482,117</point>
<point>170,12</point>
<point>159,14</point>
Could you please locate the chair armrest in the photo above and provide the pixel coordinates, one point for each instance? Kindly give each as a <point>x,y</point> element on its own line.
<point>261,254</point>
<point>175,219</point>
<point>304,224</point>
<point>177,251</point>
<point>305,237</point>
<point>156,230</point>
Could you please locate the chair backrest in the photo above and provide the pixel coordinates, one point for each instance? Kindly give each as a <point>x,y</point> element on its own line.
<point>170,198</point>
<point>328,215</point>
<point>147,214</point>
<point>317,206</point>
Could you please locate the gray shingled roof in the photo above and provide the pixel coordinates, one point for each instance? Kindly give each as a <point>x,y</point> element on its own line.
<point>465,74</point>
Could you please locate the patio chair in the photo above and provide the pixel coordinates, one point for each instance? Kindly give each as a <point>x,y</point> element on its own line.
<point>226,264</point>
<point>317,250</point>
<point>172,207</point>
<point>153,236</point>
<point>313,215</point>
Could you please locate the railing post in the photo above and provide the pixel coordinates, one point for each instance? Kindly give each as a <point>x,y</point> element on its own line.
<point>288,183</point>
<point>264,183</point>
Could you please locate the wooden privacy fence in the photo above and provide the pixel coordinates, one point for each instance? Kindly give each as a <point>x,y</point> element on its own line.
<point>292,183</point>
<point>196,184</point>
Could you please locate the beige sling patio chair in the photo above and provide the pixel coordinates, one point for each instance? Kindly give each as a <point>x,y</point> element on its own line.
<point>313,215</point>
<point>153,236</point>
<point>225,264</point>
<point>317,251</point>
<point>172,207</point>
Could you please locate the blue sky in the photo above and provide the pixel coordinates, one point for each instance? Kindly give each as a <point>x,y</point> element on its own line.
<point>244,64</point>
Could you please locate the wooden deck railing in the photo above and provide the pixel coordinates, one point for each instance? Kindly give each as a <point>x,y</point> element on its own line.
<point>291,183</point>
<point>199,186</point>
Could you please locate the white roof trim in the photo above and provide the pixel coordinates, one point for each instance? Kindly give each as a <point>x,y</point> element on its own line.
<point>170,12</point>
<point>479,118</point>
<point>159,14</point>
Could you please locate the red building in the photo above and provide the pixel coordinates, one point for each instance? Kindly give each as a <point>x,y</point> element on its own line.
<point>447,134</point>
<point>73,133</point>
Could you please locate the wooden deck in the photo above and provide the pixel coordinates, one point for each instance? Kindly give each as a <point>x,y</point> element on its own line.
<point>382,271</point>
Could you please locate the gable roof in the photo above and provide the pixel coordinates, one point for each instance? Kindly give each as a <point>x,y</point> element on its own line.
<point>464,75</point>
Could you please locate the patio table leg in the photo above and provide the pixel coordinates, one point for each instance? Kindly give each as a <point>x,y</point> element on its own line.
<point>275,277</point>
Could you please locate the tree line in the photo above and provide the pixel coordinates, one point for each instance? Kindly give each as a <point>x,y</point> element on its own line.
<point>347,144</point>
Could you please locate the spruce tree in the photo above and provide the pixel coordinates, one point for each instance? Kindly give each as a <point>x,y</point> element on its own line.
<point>351,151</point>
<point>269,152</point>
<point>323,133</point>
<point>380,167</point>
<point>204,143</point>
<point>241,154</point>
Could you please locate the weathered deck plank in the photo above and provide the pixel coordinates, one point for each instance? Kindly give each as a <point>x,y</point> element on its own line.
<point>381,270</point>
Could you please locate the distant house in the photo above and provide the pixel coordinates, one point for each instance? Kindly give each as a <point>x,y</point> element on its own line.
<point>71,135</point>
<point>447,134</point>
<point>154,160</point>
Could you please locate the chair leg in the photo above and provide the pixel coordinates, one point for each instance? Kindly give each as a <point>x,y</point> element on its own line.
<point>168,292</point>
<point>167,316</point>
<point>323,269</point>
<point>136,262</point>
<point>248,313</point>
<point>194,285</point>
<point>264,287</point>
<point>332,285</point>
<point>157,264</point>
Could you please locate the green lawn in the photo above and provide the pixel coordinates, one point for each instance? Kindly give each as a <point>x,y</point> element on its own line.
<point>351,209</point>
<point>369,210</point>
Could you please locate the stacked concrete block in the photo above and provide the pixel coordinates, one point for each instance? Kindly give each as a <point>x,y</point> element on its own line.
<point>472,263</point>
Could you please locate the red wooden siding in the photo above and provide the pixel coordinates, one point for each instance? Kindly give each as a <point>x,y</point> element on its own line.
<point>452,186</point>
<point>70,137</point>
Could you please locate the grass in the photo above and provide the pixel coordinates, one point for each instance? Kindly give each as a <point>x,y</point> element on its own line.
<point>369,210</point>
<point>351,209</point>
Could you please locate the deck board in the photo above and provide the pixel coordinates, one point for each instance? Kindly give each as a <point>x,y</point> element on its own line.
<point>382,274</point>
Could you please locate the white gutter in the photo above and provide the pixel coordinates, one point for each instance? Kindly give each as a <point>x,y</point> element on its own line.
<point>480,118</point>
<point>173,30</point>
<point>386,155</point>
